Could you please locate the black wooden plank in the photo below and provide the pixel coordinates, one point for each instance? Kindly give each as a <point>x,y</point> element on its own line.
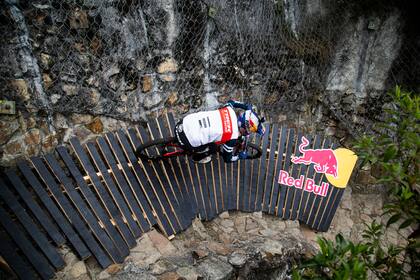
<point>36,210</point>
<point>145,172</point>
<point>251,182</point>
<point>39,262</point>
<point>102,213</point>
<point>228,195</point>
<point>180,161</point>
<point>198,193</point>
<point>195,207</point>
<point>17,263</point>
<point>57,215</point>
<point>270,169</point>
<point>291,192</point>
<point>324,205</point>
<point>198,181</point>
<point>262,169</point>
<point>253,188</point>
<point>285,143</point>
<point>124,186</point>
<point>316,211</point>
<point>210,188</point>
<point>287,197</point>
<point>302,170</point>
<point>247,177</point>
<point>116,195</point>
<point>167,178</point>
<point>71,213</point>
<point>156,128</point>
<point>84,210</point>
<point>177,171</point>
<point>235,183</point>
<point>333,197</point>
<point>173,167</point>
<point>221,170</point>
<point>310,174</point>
<point>241,185</point>
<point>104,196</point>
<point>195,191</point>
<point>332,208</point>
<point>231,186</point>
<point>306,171</point>
<point>217,182</point>
<point>161,184</point>
<point>319,179</point>
<point>28,224</point>
<point>248,168</point>
<point>133,174</point>
<point>201,172</point>
<point>190,181</point>
<point>312,196</point>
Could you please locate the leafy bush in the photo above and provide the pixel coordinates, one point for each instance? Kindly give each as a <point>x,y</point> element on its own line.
<point>384,260</point>
<point>394,152</point>
<point>342,260</point>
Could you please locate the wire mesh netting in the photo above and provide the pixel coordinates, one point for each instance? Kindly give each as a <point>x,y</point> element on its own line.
<point>123,58</point>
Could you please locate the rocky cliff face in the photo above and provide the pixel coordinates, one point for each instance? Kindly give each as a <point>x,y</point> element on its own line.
<point>324,66</point>
<point>83,69</point>
<point>321,65</point>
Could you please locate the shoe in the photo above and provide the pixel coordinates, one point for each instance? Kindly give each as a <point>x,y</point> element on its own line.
<point>203,151</point>
<point>205,160</point>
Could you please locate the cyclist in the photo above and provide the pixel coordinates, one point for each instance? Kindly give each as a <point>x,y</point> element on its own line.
<point>201,132</point>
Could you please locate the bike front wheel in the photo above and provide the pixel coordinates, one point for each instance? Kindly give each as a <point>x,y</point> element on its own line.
<point>253,151</point>
<point>160,149</point>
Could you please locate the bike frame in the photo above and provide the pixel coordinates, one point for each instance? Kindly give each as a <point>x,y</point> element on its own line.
<point>241,146</point>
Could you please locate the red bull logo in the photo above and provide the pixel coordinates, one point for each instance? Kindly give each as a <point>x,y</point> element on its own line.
<point>324,160</point>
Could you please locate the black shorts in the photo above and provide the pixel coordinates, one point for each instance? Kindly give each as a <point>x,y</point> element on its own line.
<point>186,145</point>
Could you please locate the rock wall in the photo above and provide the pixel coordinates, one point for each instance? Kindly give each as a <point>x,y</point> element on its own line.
<point>81,69</point>
<point>320,65</point>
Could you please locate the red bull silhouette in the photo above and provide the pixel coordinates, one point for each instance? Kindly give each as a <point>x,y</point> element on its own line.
<point>324,160</point>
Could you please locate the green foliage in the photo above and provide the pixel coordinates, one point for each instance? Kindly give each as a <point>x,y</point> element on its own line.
<point>394,151</point>
<point>347,260</point>
<point>384,261</point>
<point>342,260</point>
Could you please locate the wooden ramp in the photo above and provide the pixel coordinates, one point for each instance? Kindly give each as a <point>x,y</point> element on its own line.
<point>98,198</point>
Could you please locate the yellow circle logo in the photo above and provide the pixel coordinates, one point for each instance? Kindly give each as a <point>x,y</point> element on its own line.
<point>346,160</point>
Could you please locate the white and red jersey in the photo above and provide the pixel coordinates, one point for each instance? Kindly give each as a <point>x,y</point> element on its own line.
<point>217,126</point>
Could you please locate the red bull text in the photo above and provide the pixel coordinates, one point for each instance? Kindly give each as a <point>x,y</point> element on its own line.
<point>300,183</point>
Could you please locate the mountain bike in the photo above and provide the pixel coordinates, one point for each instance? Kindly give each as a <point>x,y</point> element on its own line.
<point>169,147</point>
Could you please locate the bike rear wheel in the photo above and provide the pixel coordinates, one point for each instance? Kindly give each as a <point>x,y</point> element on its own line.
<point>160,149</point>
<point>253,151</point>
